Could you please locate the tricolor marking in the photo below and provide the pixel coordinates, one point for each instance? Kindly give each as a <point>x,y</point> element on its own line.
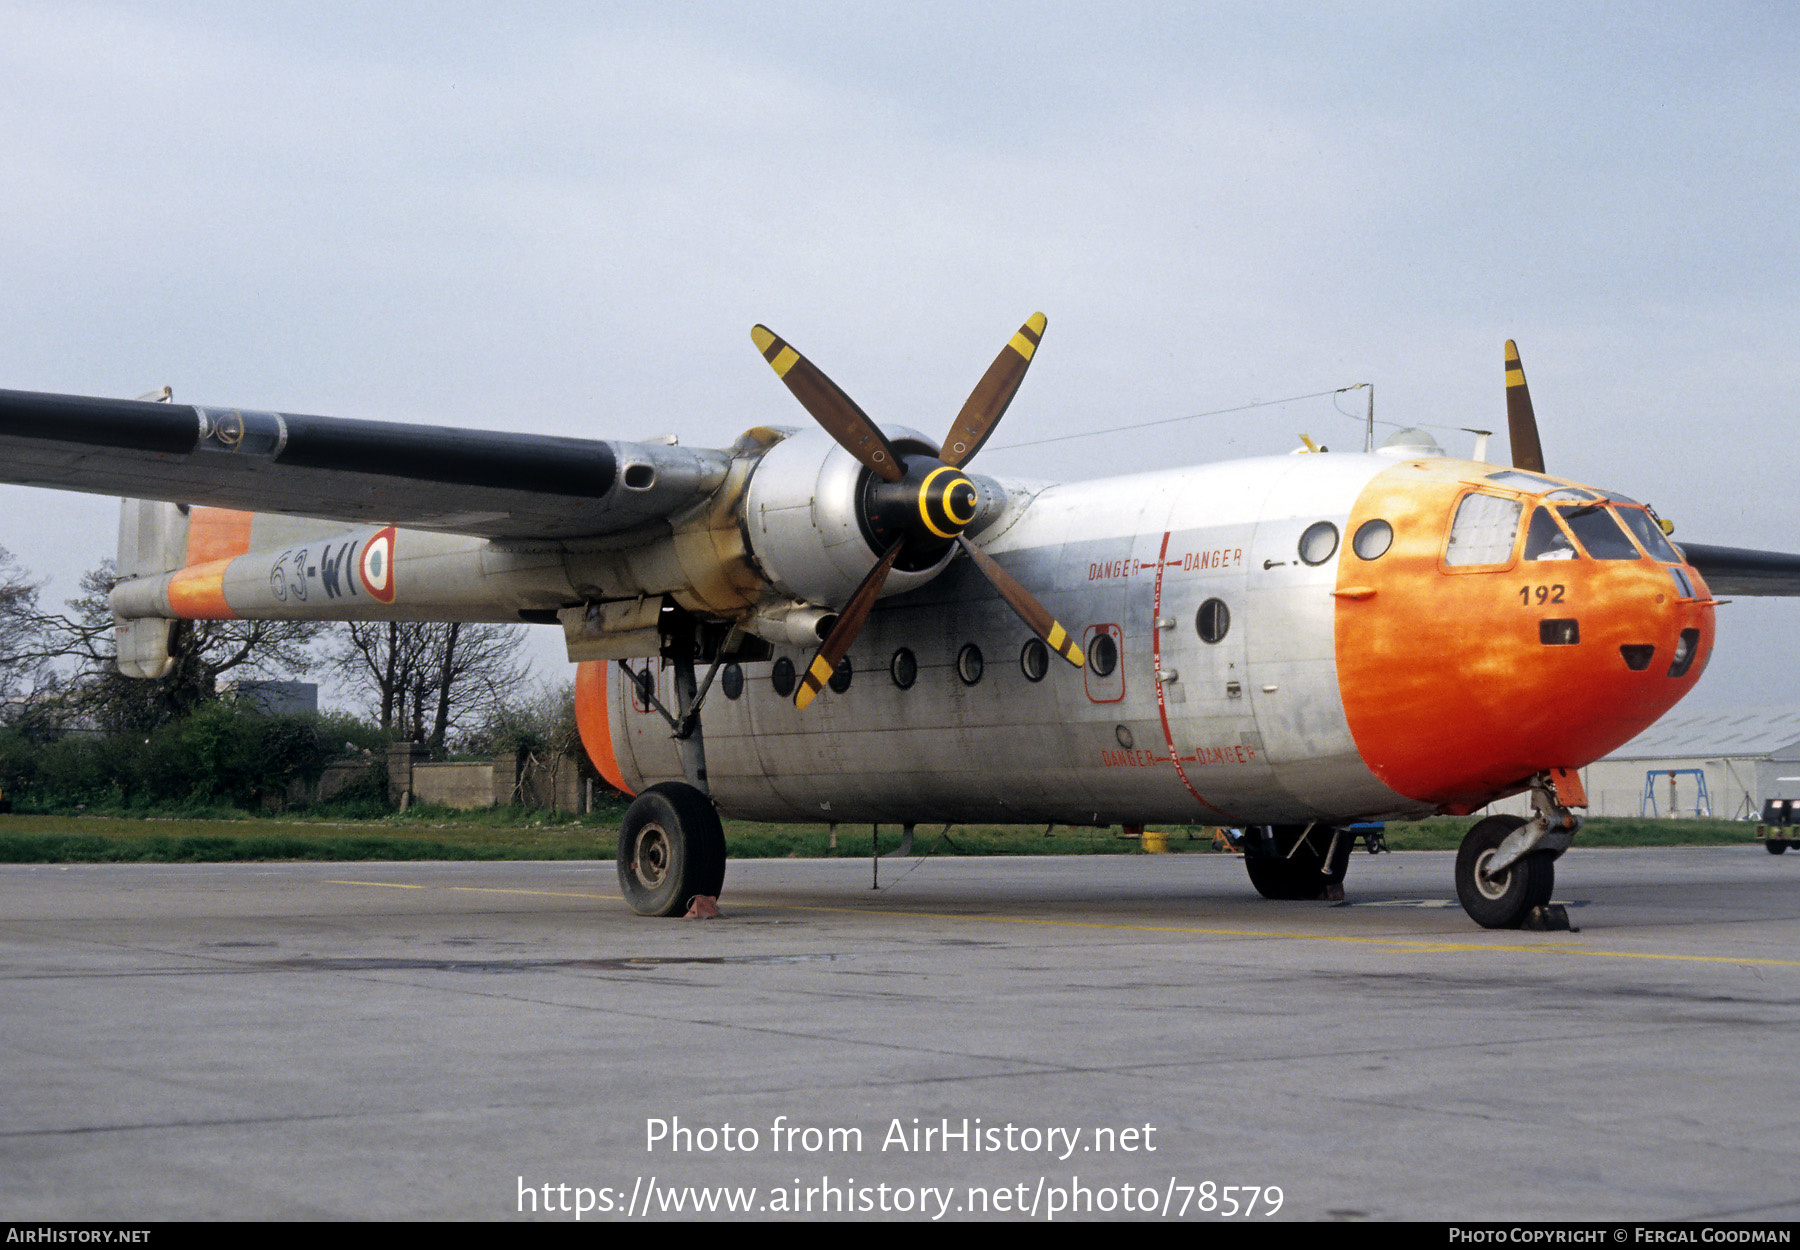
<point>376,566</point>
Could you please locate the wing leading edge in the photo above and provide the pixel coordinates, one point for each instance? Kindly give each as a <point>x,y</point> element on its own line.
<point>1740,571</point>
<point>482,482</point>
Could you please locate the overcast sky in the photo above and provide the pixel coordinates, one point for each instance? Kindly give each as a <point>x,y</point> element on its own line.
<point>553,218</point>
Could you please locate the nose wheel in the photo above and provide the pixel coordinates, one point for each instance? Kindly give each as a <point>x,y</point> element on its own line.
<point>1502,899</point>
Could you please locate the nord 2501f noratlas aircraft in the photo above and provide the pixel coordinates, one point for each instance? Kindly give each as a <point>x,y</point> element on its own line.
<point>846,623</point>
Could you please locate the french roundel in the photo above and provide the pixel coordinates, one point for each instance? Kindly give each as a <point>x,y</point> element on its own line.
<point>377,566</point>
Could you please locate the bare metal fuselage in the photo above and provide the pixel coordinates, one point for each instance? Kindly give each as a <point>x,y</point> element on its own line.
<point>1248,728</point>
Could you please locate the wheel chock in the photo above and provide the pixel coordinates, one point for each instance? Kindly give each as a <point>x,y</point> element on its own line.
<point>703,907</point>
<point>1549,918</point>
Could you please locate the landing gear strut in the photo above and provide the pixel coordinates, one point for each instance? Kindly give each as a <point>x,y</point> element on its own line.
<point>1297,861</point>
<point>671,844</point>
<point>1506,866</point>
<point>1501,900</point>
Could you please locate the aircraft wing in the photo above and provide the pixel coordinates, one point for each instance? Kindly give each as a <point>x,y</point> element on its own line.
<point>1738,571</point>
<point>481,482</point>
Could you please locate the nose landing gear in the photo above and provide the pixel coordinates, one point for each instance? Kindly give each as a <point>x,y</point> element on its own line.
<point>1506,866</point>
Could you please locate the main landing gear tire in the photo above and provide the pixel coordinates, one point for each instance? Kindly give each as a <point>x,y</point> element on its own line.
<point>1279,871</point>
<point>671,847</point>
<point>1502,901</point>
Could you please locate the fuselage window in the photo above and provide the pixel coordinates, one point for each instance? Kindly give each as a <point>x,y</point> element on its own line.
<point>1103,656</point>
<point>1545,539</point>
<point>969,664</point>
<point>1483,531</point>
<point>731,681</point>
<point>840,676</point>
<point>1598,532</point>
<point>1034,660</point>
<point>1318,542</point>
<point>1212,620</point>
<point>1373,538</point>
<point>903,668</point>
<point>782,677</point>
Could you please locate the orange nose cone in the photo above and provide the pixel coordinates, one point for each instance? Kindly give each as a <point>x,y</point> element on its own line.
<point>1460,681</point>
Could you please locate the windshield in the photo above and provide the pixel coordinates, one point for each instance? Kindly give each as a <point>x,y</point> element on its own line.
<point>1545,539</point>
<point>1597,530</point>
<point>1649,535</point>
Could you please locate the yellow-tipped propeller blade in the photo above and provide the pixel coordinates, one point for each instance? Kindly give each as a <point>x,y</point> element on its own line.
<point>987,403</point>
<point>829,406</point>
<point>1521,421</point>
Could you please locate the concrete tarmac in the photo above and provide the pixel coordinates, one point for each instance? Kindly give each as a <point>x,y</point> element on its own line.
<point>1081,1036</point>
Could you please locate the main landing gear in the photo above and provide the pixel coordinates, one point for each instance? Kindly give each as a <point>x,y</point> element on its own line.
<point>671,849</point>
<point>671,844</point>
<point>1506,866</point>
<point>1297,861</point>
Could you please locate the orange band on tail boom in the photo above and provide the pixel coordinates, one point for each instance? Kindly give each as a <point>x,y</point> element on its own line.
<point>198,593</point>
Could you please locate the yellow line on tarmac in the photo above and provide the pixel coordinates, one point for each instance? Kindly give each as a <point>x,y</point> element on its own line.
<point>478,889</point>
<point>1397,945</point>
<point>1403,944</point>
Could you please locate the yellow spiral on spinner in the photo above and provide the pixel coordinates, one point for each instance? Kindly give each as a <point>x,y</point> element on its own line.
<point>938,504</point>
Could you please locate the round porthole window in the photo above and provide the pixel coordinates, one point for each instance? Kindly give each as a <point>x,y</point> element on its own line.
<point>1212,620</point>
<point>1372,540</point>
<point>731,681</point>
<point>1034,660</point>
<point>1103,656</point>
<point>782,677</point>
<point>904,668</point>
<point>840,676</point>
<point>1319,542</point>
<point>969,664</point>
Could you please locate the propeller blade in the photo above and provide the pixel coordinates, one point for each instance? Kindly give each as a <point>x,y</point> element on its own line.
<point>987,402</point>
<point>849,625</point>
<point>829,406</point>
<point>1521,421</point>
<point>1036,617</point>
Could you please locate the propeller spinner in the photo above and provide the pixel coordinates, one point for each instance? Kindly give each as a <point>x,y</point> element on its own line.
<point>921,504</point>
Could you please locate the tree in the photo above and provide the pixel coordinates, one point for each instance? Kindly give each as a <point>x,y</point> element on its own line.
<point>425,679</point>
<point>21,632</point>
<point>203,652</point>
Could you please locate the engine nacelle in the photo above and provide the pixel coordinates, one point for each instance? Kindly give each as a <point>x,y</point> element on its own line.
<point>802,515</point>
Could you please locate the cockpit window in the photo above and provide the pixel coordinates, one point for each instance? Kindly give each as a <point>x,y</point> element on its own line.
<point>1514,479</point>
<point>1598,532</point>
<point>1545,539</point>
<point>1649,534</point>
<point>1570,492</point>
<point>1484,530</point>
